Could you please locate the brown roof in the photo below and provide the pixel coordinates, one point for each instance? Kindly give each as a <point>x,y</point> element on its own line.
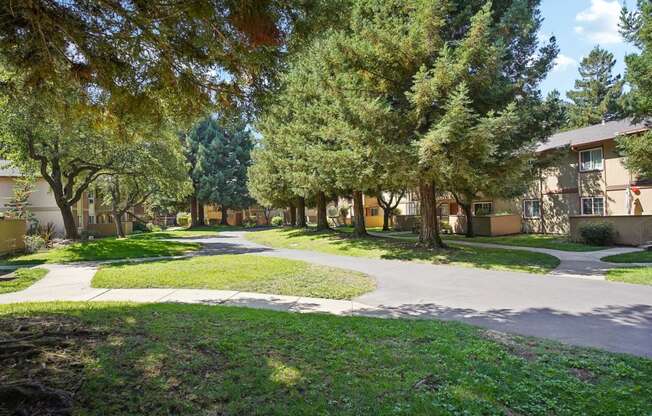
<point>592,134</point>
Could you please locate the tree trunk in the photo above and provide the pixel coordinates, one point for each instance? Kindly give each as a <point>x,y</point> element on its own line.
<point>322,220</point>
<point>358,208</point>
<point>469,220</point>
<point>68,221</point>
<point>225,215</point>
<point>301,212</point>
<point>429,235</point>
<point>193,210</point>
<point>293,215</point>
<point>200,213</point>
<point>117,220</point>
<point>386,214</point>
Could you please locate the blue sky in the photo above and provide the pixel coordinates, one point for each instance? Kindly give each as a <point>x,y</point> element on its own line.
<point>579,25</point>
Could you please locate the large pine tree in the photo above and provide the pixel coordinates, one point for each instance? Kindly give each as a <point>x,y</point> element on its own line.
<point>637,28</point>
<point>222,150</point>
<point>597,92</point>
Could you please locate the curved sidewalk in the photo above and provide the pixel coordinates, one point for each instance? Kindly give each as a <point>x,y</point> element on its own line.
<point>608,315</point>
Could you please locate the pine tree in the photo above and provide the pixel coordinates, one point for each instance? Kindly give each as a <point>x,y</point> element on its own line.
<point>636,26</point>
<point>597,92</point>
<point>222,146</point>
<point>18,205</point>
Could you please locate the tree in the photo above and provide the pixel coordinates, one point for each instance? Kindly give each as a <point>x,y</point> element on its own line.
<point>636,27</point>
<point>18,205</point>
<point>156,167</point>
<point>389,203</point>
<point>223,153</point>
<point>597,92</point>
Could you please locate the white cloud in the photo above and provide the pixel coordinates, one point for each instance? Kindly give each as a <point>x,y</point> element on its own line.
<point>599,23</point>
<point>563,62</point>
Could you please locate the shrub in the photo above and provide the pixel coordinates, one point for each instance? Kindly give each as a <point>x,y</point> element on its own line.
<point>344,209</point>
<point>183,219</point>
<point>46,232</point>
<point>597,233</point>
<point>332,212</point>
<point>152,227</point>
<point>140,227</point>
<point>277,221</point>
<point>249,222</point>
<point>86,235</point>
<point>33,243</point>
<point>445,227</point>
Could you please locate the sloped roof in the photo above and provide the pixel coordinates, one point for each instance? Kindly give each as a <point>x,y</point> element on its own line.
<point>6,170</point>
<point>591,134</point>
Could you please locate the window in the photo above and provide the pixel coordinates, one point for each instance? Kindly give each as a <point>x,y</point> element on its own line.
<point>91,198</point>
<point>91,219</point>
<point>591,160</point>
<point>444,210</point>
<point>593,206</point>
<point>531,208</point>
<point>482,208</point>
<point>373,212</point>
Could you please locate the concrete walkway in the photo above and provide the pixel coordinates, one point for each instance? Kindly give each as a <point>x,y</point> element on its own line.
<point>608,315</point>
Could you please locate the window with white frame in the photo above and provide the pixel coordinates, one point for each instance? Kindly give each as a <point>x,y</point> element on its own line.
<point>482,208</point>
<point>91,219</point>
<point>531,208</point>
<point>591,159</point>
<point>593,205</point>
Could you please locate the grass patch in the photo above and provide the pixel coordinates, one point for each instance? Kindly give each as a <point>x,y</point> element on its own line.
<point>194,232</point>
<point>389,248</point>
<point>106,249</point>
<point>634,257</point>
<point>20,279</point>
<point>636,275</point>
<point>198,360</point>
<point>553,242</point>
<point>243,272</point>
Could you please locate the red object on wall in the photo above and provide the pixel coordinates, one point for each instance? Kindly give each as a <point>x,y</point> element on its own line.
<point>636,190</point>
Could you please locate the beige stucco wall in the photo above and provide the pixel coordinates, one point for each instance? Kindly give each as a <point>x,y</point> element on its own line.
<point>106,230</point>
<point>12,236</point>
<point>630,229</point>
<point>494,225</point>
<point>41,201</point>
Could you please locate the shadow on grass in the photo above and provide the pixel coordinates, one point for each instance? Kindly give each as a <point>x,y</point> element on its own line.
<point>193,359</point>
<point>397,249</point>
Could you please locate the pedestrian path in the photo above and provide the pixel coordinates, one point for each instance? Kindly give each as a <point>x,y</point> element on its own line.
<point>609,315</point>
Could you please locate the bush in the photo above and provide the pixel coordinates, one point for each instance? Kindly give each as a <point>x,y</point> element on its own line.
<point>46,232</point>
<point>86,235</point>
<point>152,227</point>
<point>277,221</point>
<point>249,222</point>
<point>33,243</point>
<point>344,209</point>
<point>445,227</point>
<point>597,233</point>
<point>183,219</point>
<point>140,227</point>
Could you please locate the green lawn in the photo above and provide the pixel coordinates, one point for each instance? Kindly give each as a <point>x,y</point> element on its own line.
<point>20,279</point>
<point>635,257</point>
<point>194,232</point>
<point>106,249</point>
<point>387,248</point>
<point>636,275</point>
<point>529,240</point>
<point>161,359</point>
<point>244,272</point>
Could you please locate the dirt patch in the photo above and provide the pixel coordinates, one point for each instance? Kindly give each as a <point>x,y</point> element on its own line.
<point>42,360</point>
<point>583,374</point>
<point>513,344</point>
<point>430,383</point>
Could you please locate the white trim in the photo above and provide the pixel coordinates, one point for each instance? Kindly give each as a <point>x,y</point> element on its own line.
<point>592,198</point>
<point>491,204</point>
<point>525,211</point>
<point>601,167</point>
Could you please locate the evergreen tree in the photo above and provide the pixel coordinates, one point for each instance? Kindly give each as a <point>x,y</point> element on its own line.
<point>222,146</point>
<point>597,92</point>
<point>636,26</point>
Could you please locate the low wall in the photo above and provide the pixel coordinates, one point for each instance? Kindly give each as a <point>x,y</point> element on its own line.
<point>12,236</point>
<point>107,230</point>
<point>631,230</point>
<point>406,222</point>
<point>495,225</point>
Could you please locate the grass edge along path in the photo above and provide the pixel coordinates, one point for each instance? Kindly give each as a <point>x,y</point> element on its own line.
<point>21,279</point>
<point>198,359</point>
<point>333,242</point>
<point>240,272</point>
<point>633,275</point>
<point>642,256</point>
